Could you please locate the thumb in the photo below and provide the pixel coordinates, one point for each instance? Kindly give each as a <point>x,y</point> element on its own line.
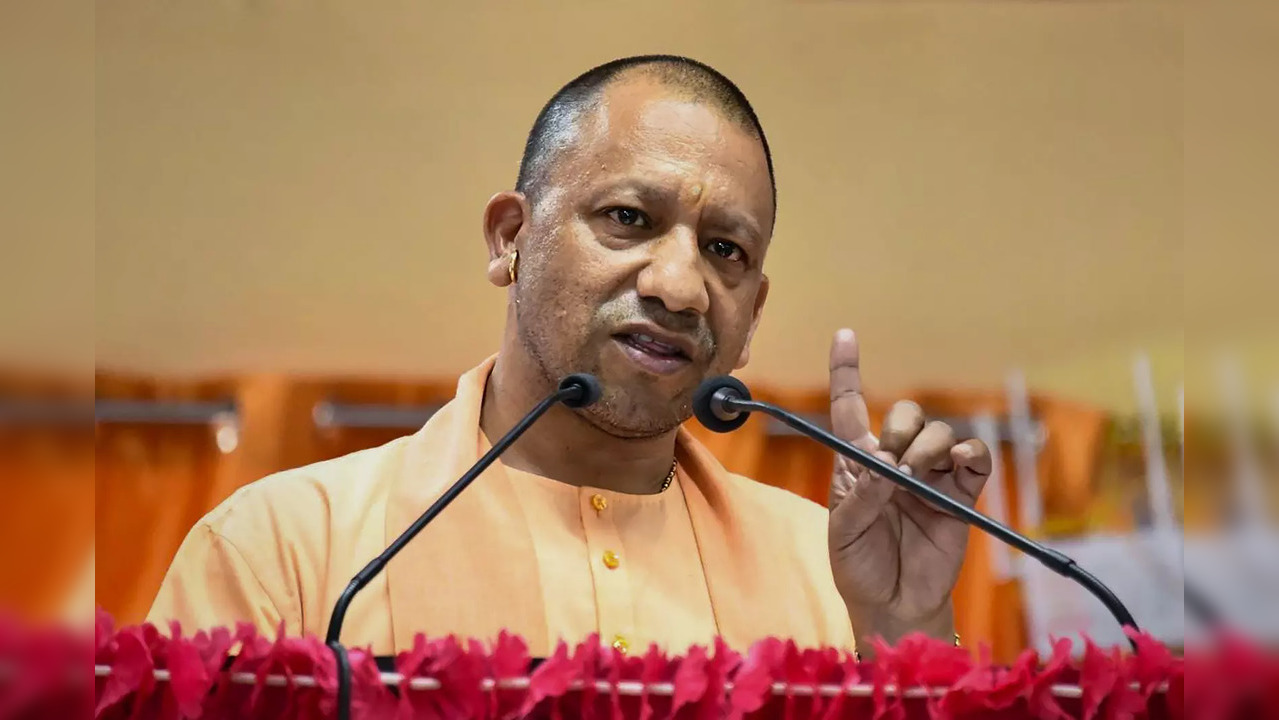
<point>863,504</point>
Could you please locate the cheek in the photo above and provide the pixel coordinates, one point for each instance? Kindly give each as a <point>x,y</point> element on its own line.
<point>579,266</point>
<point>565,283</point>
<point>551,254</point>
<point>730,338</point>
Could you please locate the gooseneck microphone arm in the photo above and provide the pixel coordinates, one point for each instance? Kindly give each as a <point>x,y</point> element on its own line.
<point>574,391</point>
<point>722,404</point>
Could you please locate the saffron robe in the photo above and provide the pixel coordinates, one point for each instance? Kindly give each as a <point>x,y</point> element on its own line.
<point>716,554</point>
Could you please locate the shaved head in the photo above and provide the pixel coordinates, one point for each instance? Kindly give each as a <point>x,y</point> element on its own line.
<point>633,244</point>
<point>558,125</point>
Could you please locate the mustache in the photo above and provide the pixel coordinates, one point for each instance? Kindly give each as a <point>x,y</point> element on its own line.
<point>632,308</point>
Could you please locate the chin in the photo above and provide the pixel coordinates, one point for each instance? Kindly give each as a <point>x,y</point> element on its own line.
<point>623,412</point>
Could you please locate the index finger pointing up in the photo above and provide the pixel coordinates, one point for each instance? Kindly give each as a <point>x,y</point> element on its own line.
<point>849,416</point>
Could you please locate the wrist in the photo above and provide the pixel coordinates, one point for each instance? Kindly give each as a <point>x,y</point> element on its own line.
<point>869,623</point>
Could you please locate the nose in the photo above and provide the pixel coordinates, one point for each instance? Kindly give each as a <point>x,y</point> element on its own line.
<point>673,274</point>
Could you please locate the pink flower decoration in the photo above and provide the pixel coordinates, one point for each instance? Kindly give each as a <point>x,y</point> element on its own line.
<point>1234,678</point>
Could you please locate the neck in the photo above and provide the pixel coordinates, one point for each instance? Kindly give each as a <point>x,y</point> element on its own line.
<point>562,445</point>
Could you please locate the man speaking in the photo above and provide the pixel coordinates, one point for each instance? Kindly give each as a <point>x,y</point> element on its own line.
<point>632,248</point>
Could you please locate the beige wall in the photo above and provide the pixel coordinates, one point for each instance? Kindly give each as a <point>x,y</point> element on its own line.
<point>1231,173</point>
<point>46,186</point>
<point>973,186</point>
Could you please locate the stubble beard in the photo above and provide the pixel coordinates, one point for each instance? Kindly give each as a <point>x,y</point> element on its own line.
<point>618,413</point>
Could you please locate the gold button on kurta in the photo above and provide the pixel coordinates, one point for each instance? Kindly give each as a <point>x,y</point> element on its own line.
<point>650,597</point>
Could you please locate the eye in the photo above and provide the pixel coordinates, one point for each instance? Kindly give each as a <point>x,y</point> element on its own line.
<point>630,217</point>
<point>727,250</point>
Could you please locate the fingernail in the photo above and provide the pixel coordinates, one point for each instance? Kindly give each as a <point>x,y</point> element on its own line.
<point>904,468</point>
<point>844,334</point>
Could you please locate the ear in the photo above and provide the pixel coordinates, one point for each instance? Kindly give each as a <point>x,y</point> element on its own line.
<point>760,296</point>
<point>504,217</point>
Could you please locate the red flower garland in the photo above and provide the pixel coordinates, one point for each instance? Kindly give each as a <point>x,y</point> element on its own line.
<point>142,673</point>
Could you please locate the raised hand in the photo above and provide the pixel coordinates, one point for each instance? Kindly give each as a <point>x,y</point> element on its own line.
<point>895,558</point>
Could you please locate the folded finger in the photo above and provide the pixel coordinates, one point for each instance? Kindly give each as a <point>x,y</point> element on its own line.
<point>973,465</point>
<point>930,450</point>
<point>904,421</point>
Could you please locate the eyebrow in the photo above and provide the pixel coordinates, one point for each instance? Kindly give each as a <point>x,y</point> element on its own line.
<point>645,191</point>
<point>734,222</point>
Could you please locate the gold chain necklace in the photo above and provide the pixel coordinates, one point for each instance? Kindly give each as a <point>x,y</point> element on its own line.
<point>669,477</point>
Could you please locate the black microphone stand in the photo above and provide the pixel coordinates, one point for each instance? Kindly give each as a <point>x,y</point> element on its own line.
<point>729,401</point>
<point>575,391</point>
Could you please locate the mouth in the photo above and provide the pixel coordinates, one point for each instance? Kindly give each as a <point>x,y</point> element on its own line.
<point>658,356</point>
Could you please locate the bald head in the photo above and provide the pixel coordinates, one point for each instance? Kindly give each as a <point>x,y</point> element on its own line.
<point>557,127</point>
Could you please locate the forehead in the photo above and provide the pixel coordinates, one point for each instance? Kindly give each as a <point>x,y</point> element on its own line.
<point>670,137</point>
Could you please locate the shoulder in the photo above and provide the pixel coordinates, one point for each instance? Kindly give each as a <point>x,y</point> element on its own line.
<point>311,496</point>
<point>764,509</point>
<point>268,551</point>
<point>777,502</point>
<point>792,519</point>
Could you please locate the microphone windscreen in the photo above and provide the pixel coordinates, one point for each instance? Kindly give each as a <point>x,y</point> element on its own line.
<point>588,390</point>
<point>710,412</point>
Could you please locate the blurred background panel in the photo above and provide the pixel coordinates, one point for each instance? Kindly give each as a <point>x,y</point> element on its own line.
<point>46,308</point>
<point>995,195</point>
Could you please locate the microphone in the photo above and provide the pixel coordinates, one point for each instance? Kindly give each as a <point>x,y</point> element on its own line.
<point>575,391</point>
<point>723,403</point>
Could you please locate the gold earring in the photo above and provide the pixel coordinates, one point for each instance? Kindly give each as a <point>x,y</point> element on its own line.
<point>510,269</point>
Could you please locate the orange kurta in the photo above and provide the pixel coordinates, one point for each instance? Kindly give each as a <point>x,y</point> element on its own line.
<point>716,554</point>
